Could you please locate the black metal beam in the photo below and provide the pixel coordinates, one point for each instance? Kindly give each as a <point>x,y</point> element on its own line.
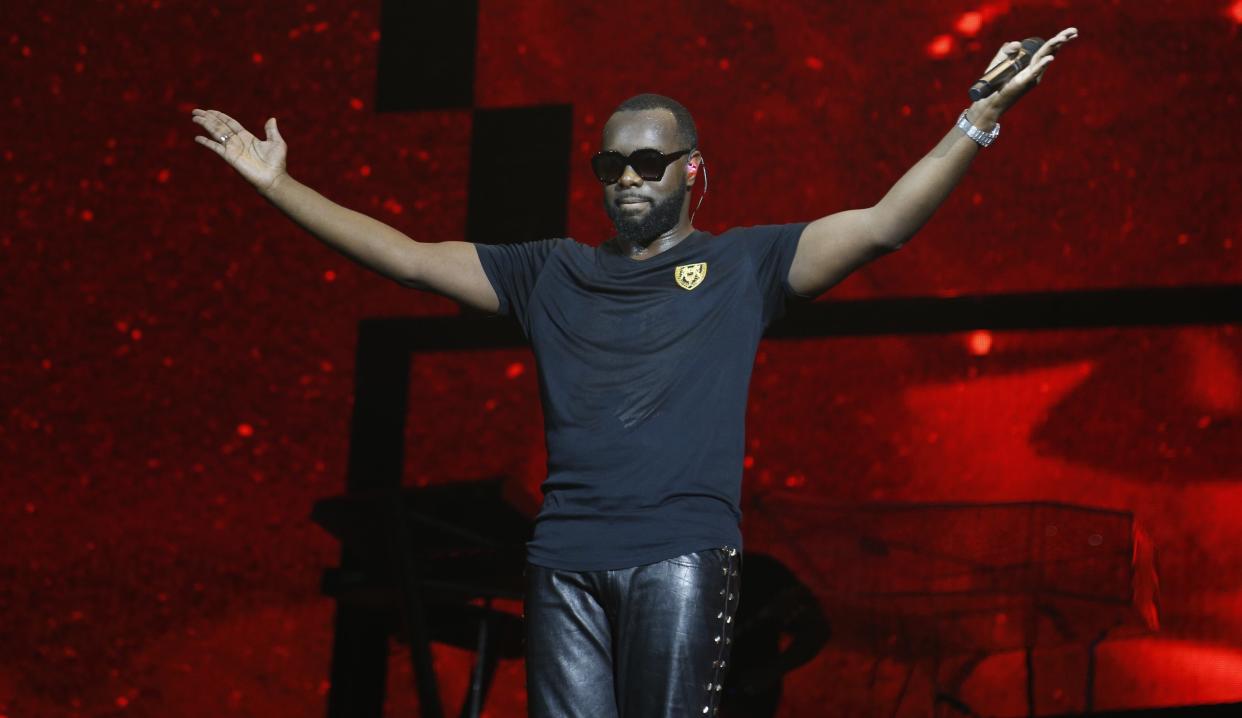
<point>1087,309</point>
<point>1212,710</point>
<point>519,174</point>
<point>1080,309</point>
<point>426,55</point>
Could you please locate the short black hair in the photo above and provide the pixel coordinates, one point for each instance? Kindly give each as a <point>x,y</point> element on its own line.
<point>686,131</point>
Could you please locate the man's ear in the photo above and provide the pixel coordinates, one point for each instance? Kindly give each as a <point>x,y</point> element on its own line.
<point>693,163</point>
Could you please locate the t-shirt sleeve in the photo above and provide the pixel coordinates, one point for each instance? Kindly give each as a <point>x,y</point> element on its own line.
<point>513,270</point>
<point>772,248</point>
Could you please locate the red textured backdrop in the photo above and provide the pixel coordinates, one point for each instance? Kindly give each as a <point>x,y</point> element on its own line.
<point>177,357</point>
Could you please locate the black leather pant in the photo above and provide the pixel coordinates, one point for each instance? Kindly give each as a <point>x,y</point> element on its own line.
<point>636,642</point>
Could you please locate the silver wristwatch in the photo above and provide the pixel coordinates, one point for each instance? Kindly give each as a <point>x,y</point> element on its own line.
<point>983,138</point>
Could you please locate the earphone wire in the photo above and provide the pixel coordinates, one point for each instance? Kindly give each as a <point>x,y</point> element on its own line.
<point>703,164</point>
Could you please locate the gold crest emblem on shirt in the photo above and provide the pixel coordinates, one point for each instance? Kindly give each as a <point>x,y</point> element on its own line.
<point>690,276</point>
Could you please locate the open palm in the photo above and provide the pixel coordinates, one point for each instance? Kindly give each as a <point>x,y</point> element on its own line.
<point>261,162</point>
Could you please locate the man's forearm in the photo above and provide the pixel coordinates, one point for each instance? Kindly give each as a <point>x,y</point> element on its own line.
<point>923,188</point>
<point>363,239</point>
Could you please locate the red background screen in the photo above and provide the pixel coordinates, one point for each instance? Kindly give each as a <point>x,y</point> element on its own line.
<point>178,357</point>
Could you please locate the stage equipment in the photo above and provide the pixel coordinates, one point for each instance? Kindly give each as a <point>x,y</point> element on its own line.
<point>424,565</point>
<point>947,585</point>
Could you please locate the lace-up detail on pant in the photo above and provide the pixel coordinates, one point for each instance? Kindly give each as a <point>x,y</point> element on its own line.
<point>729,594</point>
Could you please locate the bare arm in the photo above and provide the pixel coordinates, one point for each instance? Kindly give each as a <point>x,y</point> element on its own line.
<point>449,268</point>
<point>834,246</point>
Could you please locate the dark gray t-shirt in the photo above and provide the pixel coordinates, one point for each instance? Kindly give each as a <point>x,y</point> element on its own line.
<point>644,369</point>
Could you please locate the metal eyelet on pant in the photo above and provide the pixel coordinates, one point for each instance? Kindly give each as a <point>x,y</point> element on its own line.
<point>724,636</point>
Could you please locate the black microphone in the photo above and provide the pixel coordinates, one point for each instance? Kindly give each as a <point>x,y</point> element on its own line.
<point>1003,71</point>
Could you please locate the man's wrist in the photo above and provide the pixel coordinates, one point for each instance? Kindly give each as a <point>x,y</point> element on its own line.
<point>981,137</point>
<point>984,118</point>
<point>270,189</point>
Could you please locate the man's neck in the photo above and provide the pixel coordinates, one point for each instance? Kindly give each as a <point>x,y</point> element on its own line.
<point>635,249</point>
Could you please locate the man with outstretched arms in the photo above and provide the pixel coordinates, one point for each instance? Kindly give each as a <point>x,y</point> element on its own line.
<point>644,347</point>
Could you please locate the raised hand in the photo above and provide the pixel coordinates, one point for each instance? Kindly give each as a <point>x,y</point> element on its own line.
<point>1004,98</point>
<point>261,162</point>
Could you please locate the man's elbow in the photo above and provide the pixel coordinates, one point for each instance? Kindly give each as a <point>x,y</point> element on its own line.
<point>890,245</point>
<point>888,239</point>
<point>883,243</point>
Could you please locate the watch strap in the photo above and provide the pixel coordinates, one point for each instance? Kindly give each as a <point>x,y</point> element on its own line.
<point>983,138</point>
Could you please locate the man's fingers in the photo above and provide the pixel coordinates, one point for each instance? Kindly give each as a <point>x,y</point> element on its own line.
<point>213,146</point>
<point>1045,50</point>
<point>1033,73</point>
<point>1039,71</point>
<point>1034,69</point>
<point>223,124</point>
<point>1006,50</point>
<point>213,126</point>
<point>229,122</point>
<point>1030,75</point>
<point>1050,47</point>
<point>215,123</point>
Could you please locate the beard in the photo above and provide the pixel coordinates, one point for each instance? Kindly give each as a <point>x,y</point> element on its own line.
<point>659,218</point>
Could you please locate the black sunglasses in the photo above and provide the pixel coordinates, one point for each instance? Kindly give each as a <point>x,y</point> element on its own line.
<point>648,163</point>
